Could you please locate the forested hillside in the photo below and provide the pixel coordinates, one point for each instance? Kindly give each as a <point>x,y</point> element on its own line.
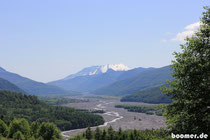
<point>152,95</point>
<point>84,82</point>
<point>88,83</point>
<point>148,109</point>
<point>29,107</point>
<point>143,80</point>
<point>6,85</point>
<point>30,86</point>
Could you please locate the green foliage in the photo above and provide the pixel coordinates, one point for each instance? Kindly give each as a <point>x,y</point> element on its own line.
<point>77,137</point>
<point>98,134</point>
<point>110,134</point>
<point>18,136</point>
<point>17,126</point>
<point>151,95</point>
<point>88,133</point>
<point>148,109</point>
<point>49,131</point>
<point>21,130</point>
<point>29,107</point>
<point>104,135</point>
<point>2,138</point>
<point>34,129</point>
<point>3,128</point>
<point>59,100</point>
<point>97,111</point>
<point>190,88</point>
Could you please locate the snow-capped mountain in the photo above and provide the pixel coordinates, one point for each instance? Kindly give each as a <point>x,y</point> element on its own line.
<point>98,70</point>
<point>95,77</point>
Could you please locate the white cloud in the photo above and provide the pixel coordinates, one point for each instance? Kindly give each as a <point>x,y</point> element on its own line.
<point>189,31</point>
<point>194,26</point>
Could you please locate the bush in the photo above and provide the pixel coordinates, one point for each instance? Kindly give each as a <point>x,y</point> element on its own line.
<point>3,128</point>
<point>49,131</point>
<point>19,125</point>
<point>18,135</point>
<point>149,113</point>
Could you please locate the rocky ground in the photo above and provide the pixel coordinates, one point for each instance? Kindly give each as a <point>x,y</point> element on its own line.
<point>117,117</point>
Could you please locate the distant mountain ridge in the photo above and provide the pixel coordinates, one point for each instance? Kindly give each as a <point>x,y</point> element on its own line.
<point>114,79</point>
<point>30,86</point>
<point>86,81</point>
<point>94,70</point>
<point>6,85</point>
<point>141,81</point>
<point>89,82</point>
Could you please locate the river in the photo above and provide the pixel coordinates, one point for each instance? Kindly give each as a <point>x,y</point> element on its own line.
<point>116,117</point>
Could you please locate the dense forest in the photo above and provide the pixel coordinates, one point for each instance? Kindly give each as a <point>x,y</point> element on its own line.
<point>59,99</point>
<point>20,129</point>
<point>16,105</point>
<point>152,95</point>
<point>148,109</point>
<point>141,81</point>
<point>110,134</point>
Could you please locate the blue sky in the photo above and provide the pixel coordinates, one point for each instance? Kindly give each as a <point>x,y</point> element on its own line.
<point>47,40</point>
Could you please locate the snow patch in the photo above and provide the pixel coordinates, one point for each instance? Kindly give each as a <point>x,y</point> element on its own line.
<point>98,70</point>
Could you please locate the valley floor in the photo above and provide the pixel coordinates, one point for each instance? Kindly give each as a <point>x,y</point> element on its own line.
<point>117,117</point>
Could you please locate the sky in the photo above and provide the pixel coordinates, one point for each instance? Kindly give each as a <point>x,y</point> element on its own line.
<point>46,40</point>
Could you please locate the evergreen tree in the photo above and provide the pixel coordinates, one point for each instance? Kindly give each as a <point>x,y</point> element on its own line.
<point>98,134</point>
<point>104,135</point>
<point>88,134</point>
<point>120,131</point>
<point>135,133</point>
<point>132,136</point>
<point>3,128</point>
<point>124,136</point>
<point>110,133</point>
<point>190,88</point>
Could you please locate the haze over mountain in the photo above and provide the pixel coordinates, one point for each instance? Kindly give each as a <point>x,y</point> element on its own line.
<point>141,81</point>
<point>114,79</point>
<point>91,78</point>
<point>6,85</point>
<point>95,77</point>
<point>30,86</point>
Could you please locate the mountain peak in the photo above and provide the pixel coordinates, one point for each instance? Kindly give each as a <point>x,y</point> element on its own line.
<point>115,67</point>
<point>98,70</point>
